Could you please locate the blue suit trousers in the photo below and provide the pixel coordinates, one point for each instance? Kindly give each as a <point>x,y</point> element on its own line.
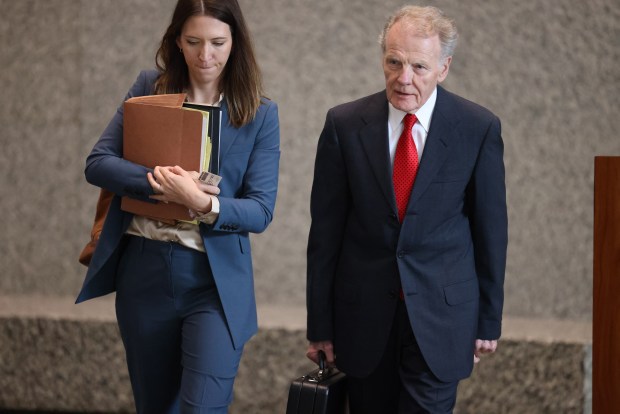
<point>402,383</point>
<point>180,354</point>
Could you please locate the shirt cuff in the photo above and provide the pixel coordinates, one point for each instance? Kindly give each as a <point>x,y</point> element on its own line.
<point>211,216</point>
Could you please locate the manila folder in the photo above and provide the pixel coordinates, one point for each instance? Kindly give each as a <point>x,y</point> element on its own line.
<point>157,131</point>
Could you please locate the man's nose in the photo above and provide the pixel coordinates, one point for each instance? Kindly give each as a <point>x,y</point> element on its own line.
<point>406,75</point>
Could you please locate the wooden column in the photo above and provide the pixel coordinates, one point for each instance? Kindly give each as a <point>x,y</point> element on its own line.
<point>606,294</point>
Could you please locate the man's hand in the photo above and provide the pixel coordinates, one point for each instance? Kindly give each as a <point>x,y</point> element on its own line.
<point>325,346</point>
<point>483,347</point>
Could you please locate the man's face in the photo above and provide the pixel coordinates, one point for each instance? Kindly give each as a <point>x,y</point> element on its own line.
<point>412,66</point>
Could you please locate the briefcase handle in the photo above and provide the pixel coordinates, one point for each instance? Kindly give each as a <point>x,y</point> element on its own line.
<point>323,368</point>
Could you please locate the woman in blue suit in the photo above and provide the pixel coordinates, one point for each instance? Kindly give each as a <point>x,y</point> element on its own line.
<point>184,291</point>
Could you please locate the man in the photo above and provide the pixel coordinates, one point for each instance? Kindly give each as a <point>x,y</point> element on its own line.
<point>407,247</point>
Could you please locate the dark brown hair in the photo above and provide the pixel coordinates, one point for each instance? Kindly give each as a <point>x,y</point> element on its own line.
<point>241,80</point>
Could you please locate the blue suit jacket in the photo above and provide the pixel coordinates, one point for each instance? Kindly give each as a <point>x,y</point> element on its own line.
<point>449,253</point>
<point>249,158</point>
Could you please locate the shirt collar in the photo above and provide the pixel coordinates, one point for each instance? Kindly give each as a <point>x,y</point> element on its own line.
<point>423,114</point>
<point>218,103</point>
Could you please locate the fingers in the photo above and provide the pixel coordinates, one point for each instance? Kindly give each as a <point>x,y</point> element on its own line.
<point>157,188</point>
<point>313,356</point>
<point>159,182</point>
<point>180,171</point>
<point>326,347</point>
<point>174,184</point>
<point>209,189</point>
<point>162,178</point>
<point>159,177</point>
<point>483,347</point>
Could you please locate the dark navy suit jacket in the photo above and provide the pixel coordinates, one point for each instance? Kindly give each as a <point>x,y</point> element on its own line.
<point>448,255</point>
<point>249,159</point>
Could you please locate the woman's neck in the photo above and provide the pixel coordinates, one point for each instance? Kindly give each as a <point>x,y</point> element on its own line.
<point>204,95</point>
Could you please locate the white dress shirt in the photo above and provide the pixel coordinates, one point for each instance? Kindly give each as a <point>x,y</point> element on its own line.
<point>420,128</point>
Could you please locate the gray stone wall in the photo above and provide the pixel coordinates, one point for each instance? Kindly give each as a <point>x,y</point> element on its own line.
<point>548,69</point>
<point>71,360</point>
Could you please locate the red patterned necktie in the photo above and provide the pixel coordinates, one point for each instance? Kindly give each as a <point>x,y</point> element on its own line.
<point>405,166</point>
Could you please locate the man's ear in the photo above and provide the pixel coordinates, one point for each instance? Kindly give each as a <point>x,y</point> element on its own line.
<point>445,68</point>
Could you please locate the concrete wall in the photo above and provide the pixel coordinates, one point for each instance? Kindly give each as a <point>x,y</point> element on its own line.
<point>71,360</point>
<point>547,69</point>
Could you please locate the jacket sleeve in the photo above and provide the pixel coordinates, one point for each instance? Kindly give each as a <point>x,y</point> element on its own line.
<point>489,226</point>
<point>105,166</point>
<point>329,209</point>
<point>251,208</point>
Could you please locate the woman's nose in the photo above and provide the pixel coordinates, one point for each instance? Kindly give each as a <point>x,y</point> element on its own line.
<point>205,52</point>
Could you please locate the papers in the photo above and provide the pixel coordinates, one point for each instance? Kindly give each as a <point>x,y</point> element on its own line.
<point>210,157</point>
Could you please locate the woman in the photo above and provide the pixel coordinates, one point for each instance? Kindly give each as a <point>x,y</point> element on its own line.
<point>184,292</point>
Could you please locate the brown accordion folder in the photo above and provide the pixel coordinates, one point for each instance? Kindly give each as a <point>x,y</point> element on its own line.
<point>160,130</point>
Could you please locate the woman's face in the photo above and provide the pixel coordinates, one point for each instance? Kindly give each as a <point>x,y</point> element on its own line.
<point>206,44</point>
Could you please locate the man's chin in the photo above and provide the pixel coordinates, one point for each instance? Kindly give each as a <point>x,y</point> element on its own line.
<point>405,103</point>
<point>408,107</point>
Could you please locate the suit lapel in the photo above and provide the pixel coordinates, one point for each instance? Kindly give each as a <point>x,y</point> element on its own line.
<point>228,133</point>
<point>436,148</point>
<point>374,139</point>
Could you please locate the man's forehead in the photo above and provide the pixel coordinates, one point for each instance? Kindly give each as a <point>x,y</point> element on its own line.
<point>403,40</point>
<point>414,27</point>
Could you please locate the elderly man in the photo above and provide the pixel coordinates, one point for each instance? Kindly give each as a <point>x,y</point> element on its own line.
<point>407,247</point>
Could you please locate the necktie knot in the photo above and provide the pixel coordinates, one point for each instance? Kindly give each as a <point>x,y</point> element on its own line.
<point>409,121</point>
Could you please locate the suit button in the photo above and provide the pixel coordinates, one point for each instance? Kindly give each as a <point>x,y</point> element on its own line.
<point>393,216</point>
<point>401,254</point>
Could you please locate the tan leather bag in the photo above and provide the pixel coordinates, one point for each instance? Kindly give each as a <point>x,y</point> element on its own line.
<point>103,205</point>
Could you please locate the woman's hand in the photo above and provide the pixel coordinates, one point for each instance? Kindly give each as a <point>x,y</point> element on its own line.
<point>182,187</point>
<point>209,189</point>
